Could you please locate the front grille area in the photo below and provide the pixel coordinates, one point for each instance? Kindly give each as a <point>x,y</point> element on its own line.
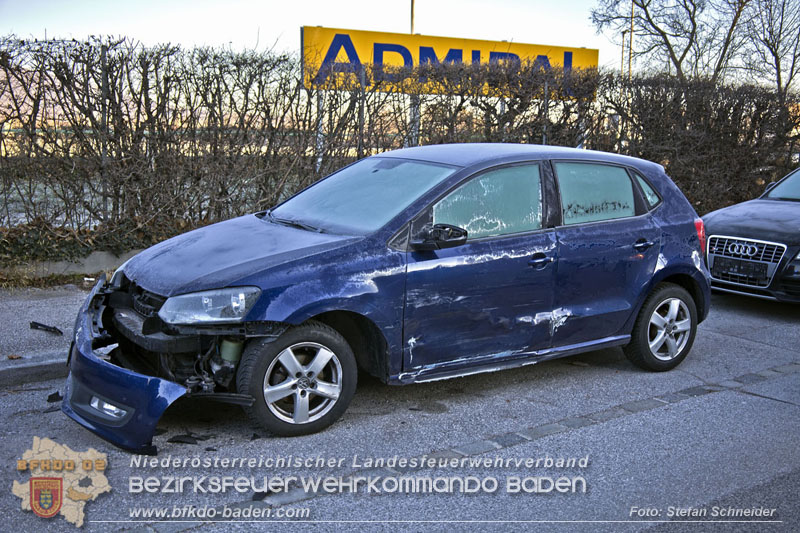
<point>743,261</point>
<point>145,302</point>
<point>768,252</point>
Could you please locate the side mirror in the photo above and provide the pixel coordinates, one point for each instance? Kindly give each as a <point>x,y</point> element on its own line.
<point>769,187</point>
<point>438,237</point>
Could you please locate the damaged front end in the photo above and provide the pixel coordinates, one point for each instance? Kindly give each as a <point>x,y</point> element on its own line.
<point>127,365</point>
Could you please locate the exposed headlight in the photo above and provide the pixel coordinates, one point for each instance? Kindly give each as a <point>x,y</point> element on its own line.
<point>219,306</point>
<point>116,279</point>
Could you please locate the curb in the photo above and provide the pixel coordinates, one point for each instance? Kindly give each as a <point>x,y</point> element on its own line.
<point>52,368</point>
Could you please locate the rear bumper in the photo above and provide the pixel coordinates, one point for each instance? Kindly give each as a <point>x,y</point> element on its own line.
<point>143,398</point>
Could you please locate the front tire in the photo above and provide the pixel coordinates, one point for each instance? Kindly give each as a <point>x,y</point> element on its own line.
<point>302,382</point>
<point>665,329</point>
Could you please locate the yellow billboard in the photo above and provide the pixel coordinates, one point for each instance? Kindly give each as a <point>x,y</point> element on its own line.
<point>330,52</point>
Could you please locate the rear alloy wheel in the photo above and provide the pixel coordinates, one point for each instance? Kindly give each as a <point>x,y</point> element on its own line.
<point>670,326</point>
<point>302,382</point>
<point>664,330</point>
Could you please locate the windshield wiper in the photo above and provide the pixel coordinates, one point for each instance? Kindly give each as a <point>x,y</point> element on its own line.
<point>784,199</point>
<point>293,223</point>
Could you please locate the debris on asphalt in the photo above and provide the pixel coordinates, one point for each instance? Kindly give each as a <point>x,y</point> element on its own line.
<point>55,397</point>
<point>210,449</point>
<point>14,357</point>
<point>189,438</point>
<point>577,363</point>
<point>52,409</point>
<point>260,496</point>
<point>183,439</point>
<point>45,327</point>
<point>255,436</point>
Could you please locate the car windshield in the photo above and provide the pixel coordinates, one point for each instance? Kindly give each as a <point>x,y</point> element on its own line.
<point>788,189</point>
<point>362,197</point>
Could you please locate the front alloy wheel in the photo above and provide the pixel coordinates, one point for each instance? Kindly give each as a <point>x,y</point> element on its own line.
<point>664,330</point>
<point>302,382</point>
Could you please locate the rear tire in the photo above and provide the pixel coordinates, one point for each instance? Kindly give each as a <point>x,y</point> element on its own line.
<point>665,329</point>
<point>302,382</point>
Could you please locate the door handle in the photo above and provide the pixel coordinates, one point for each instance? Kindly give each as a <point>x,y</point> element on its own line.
<point>642,245</point>
<point>540,260</point>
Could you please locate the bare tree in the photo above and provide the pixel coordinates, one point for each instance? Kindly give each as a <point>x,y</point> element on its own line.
<point>773,31</point>
<point>696,38</point>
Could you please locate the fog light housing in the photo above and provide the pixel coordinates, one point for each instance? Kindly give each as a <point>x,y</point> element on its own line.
<point>793,268</point>
<point>107,408</point>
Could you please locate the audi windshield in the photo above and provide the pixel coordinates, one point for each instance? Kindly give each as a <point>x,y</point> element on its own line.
<point>786,189</point>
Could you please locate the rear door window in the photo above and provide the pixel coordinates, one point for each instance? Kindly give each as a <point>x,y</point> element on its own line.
<point>592,192</point>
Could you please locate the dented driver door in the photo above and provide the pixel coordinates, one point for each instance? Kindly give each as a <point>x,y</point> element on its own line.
<point>484,300</point>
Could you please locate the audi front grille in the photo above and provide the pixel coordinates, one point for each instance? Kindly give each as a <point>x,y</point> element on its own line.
<point>741,261</point>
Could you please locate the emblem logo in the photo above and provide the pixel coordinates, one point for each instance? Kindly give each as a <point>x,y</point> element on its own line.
<point>737,248</point>
<point>62,480</point>
<point>46,496</point>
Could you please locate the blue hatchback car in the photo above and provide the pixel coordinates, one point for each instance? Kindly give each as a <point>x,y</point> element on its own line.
<point>414,265</point>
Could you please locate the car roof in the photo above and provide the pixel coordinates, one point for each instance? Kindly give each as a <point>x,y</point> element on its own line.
<point>469,154</point>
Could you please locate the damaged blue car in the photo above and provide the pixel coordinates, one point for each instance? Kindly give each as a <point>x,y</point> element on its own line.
<point>414,265</point>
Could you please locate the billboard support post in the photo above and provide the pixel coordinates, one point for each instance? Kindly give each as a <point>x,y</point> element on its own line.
<point>361,95</point>
<point>546,113</point>
<point>413,111</point>
<point>413,119</point>
<point>503,119</point>
<point>320,142</point>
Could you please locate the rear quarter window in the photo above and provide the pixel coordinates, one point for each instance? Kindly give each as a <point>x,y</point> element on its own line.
<point>650,195</point>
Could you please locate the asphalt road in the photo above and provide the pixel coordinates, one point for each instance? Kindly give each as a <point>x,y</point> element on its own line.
<point>721,431</point>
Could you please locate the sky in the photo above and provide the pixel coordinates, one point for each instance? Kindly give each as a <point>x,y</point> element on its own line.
<point>276,24</point>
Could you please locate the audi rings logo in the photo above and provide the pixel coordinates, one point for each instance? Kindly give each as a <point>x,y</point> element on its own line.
<point>738,248</point>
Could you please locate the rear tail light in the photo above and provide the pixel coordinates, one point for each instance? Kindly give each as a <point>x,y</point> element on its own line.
<point>701,233</point>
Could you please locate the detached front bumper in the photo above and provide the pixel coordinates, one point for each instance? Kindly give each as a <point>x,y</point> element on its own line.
<point>137,401</point>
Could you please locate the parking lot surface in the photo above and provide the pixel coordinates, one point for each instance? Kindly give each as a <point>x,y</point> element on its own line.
<point>720,431</point>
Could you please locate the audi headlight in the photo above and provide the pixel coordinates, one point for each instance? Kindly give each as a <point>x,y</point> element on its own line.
<point>219,306</point>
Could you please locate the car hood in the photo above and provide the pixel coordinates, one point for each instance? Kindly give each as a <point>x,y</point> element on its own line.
<point>766,220</point>
<point>218,255</point>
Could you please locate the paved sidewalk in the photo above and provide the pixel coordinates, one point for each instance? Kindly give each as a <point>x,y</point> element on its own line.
<point>42,355</point>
